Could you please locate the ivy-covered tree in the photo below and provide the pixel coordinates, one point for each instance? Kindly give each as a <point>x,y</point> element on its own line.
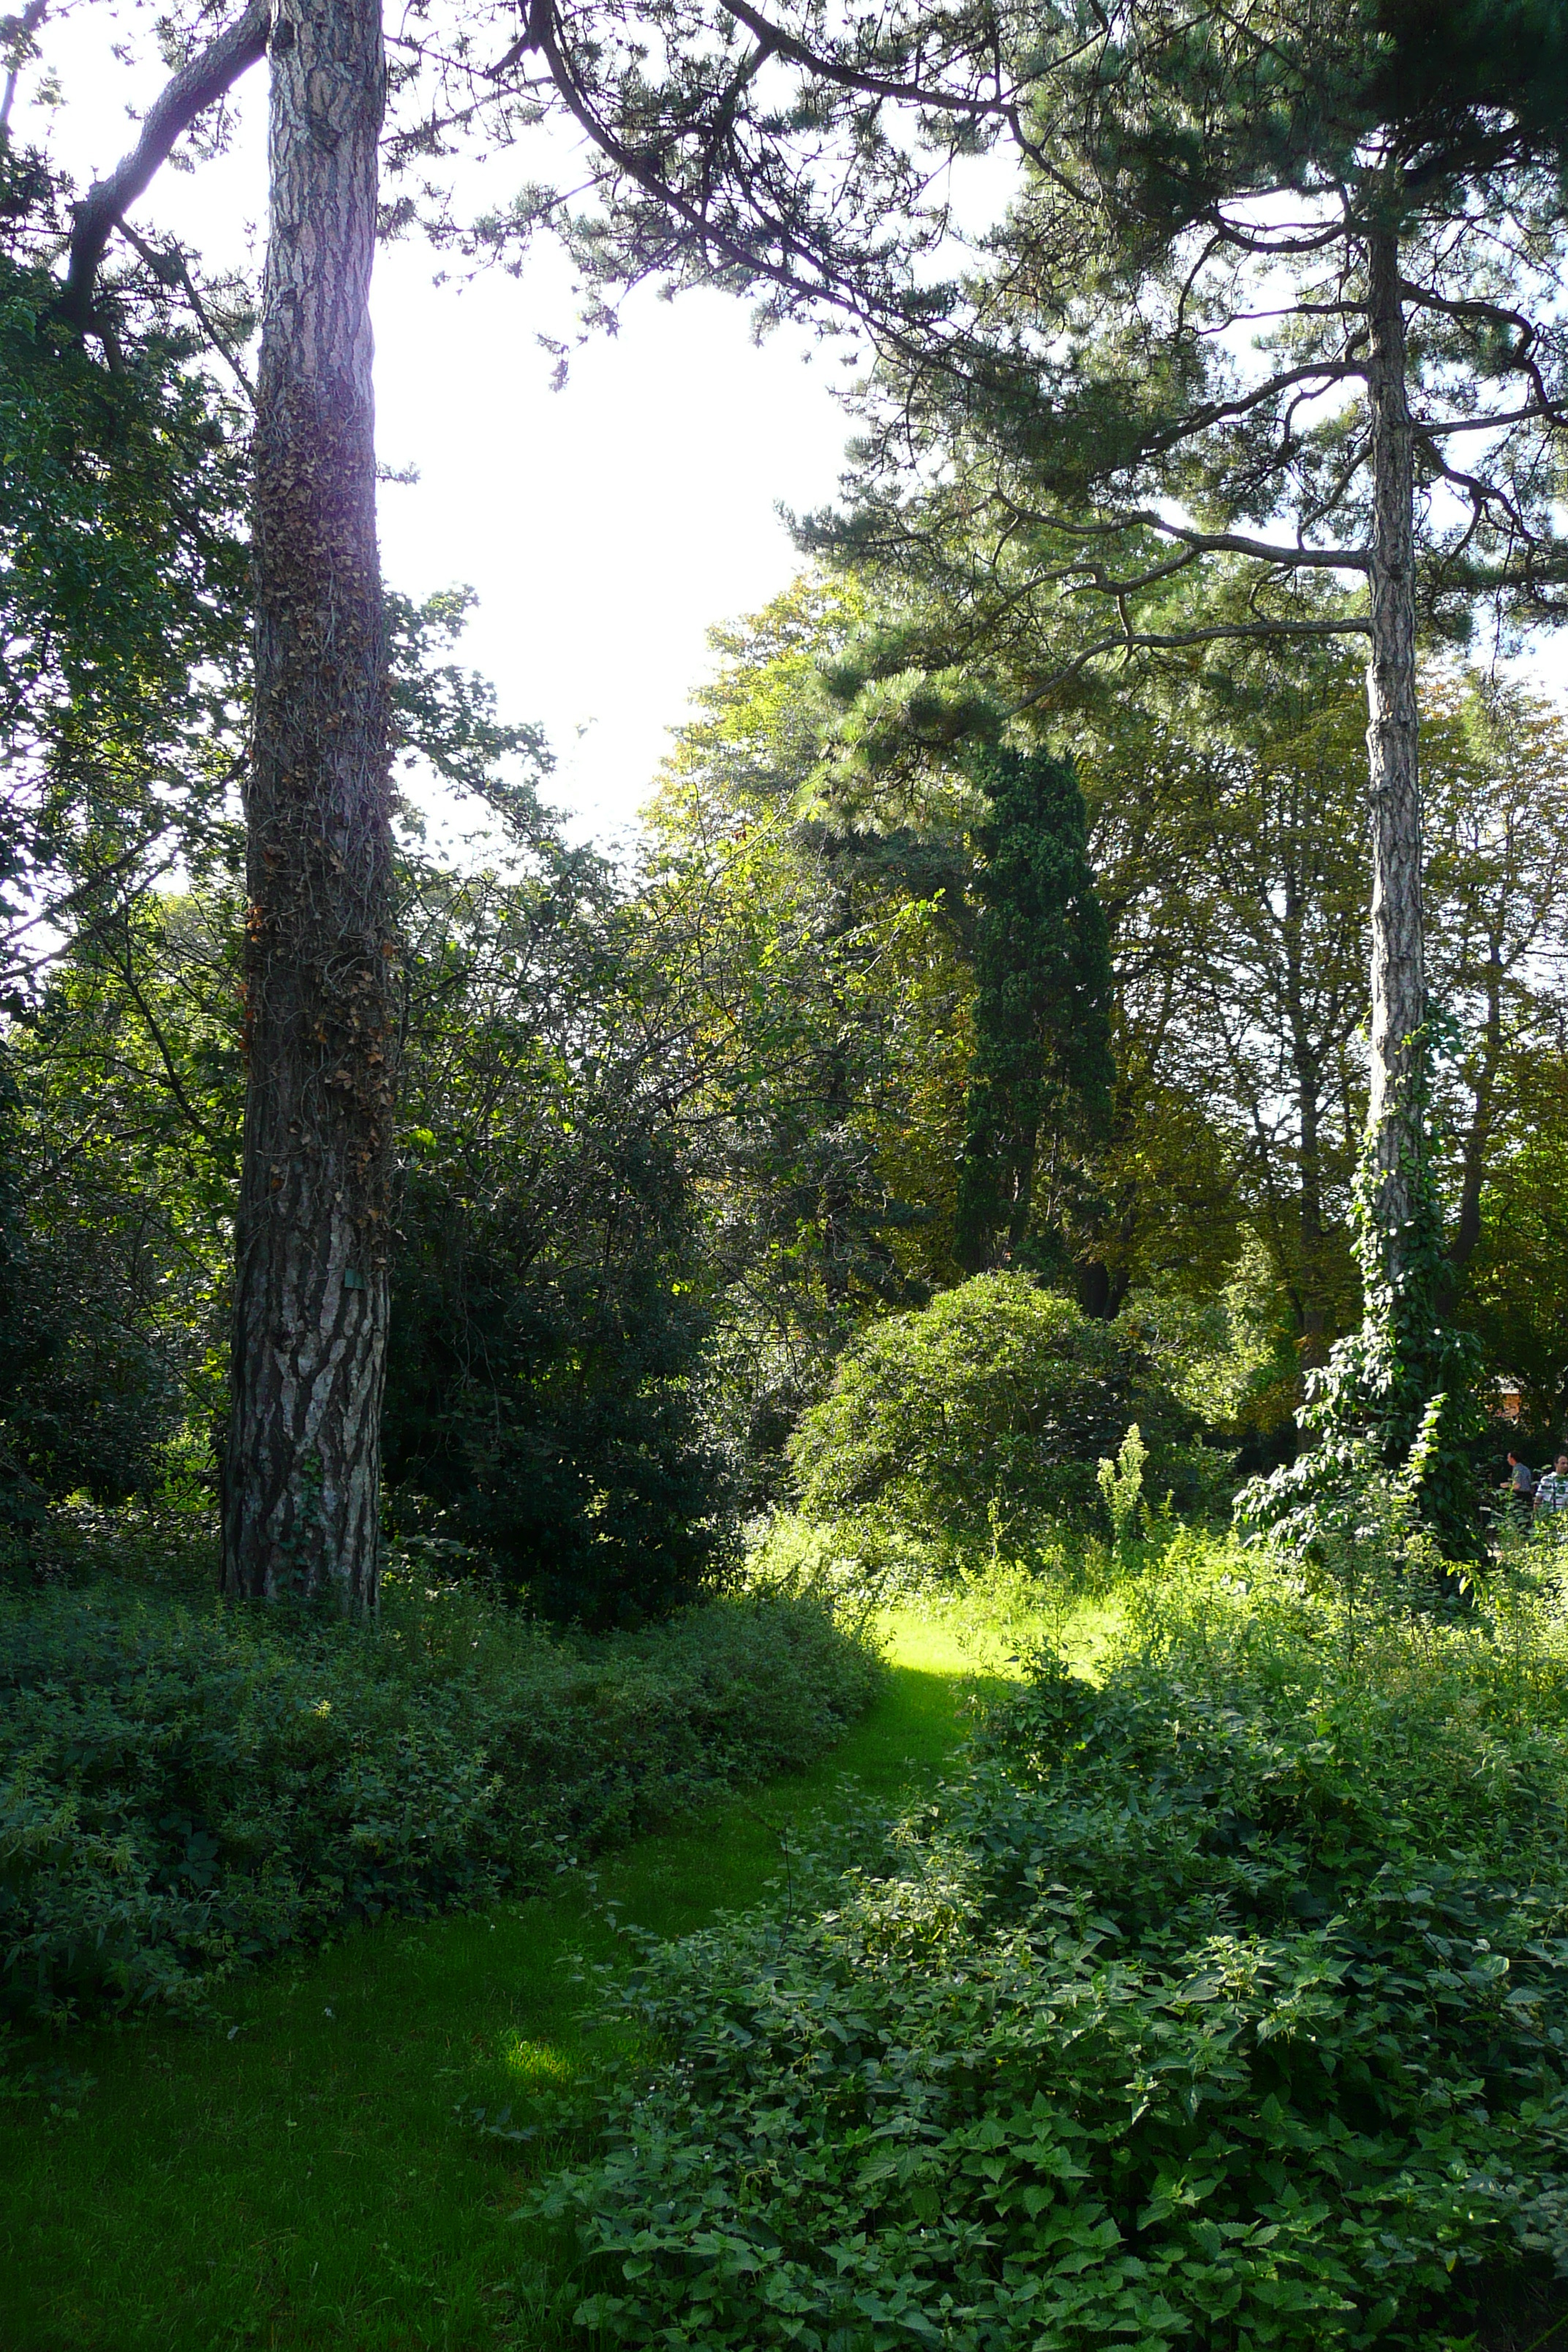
<point>1271,351</point>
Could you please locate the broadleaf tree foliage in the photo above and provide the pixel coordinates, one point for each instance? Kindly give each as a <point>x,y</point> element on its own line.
<point>122,593</point>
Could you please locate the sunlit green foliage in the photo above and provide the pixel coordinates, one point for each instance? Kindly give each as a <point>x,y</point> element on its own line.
<point>983,1415</point>
<point>124,591</point>
<point>1225,2004</point>
<point>821,955</point>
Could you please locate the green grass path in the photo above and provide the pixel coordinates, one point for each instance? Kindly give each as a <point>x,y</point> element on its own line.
<point>309,2178</point>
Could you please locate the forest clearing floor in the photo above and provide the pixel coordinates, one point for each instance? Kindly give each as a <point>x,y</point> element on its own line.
<point>304,2169</point>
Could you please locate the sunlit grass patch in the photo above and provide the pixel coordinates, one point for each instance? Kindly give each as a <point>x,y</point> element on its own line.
<point>538,2066</point>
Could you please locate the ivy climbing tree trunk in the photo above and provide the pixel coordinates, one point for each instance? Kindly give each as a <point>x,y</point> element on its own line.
<point>1480,1125</point>
<point>301,1469</point>
<point>1398,960</point>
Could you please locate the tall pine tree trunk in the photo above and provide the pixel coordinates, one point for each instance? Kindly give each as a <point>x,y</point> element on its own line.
<point>1398,959</point>
<point>301,1469</point>
<point>1483,1111</point>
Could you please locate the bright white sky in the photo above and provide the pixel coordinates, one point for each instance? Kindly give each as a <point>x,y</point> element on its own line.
<point>605,527</point>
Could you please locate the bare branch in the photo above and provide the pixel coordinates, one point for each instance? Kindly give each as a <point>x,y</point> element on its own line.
<point>1556,413</point>
<point>193,89</point>
<point>188,1111</point>
<point>173,268</point>
<point>18,33</point>
<point>1234,543</point>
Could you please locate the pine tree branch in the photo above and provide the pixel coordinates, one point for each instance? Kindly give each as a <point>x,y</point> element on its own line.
<point>1131,640</point>
<point>1501,314</point>
<point>778,42</point>
<point>1317,374</point>
<point>1554,412</point>
<point>173,269</point>
<point>694,217</point>
<point>1196,542</point>
<point>194,89</point>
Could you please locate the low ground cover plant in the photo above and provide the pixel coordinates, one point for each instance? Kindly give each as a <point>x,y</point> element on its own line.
<point>1222,2005</point>
<point>185,1788</point>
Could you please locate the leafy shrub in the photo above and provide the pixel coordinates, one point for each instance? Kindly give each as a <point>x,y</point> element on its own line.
<point>1225,2005</point>
<point>185,1789</point>
<point>992,1405</point>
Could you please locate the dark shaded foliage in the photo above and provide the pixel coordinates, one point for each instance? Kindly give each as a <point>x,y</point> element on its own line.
<point>543,1398</point>
<point>1042,1063</point>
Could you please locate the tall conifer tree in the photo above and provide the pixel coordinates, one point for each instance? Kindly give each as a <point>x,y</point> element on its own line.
<point>1042,997</point>
<point>1271,350</point>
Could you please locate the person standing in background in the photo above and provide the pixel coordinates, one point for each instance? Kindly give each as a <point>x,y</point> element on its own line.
<point>1519,1486</point>
<point>1551,1488</point>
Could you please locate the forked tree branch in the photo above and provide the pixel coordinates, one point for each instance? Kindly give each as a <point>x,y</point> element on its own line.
<point>193,89</point>
<point>776,41</point>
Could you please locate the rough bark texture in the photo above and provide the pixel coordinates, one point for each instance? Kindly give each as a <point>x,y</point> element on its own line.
<point>1398,962</point>
<point>301,1470</point>
<point>1307,1069</point>
<point>1483,1111</point>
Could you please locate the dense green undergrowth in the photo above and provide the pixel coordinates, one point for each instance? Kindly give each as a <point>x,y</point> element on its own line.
<point>1222,2005</point>
<point>298,2167</point>
<point>185,1788</point>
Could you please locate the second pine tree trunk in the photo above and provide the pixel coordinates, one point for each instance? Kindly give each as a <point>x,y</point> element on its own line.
<point>1398,957</point>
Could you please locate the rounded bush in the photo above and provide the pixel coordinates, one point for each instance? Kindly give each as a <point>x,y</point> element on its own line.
<point>998,1393</point>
